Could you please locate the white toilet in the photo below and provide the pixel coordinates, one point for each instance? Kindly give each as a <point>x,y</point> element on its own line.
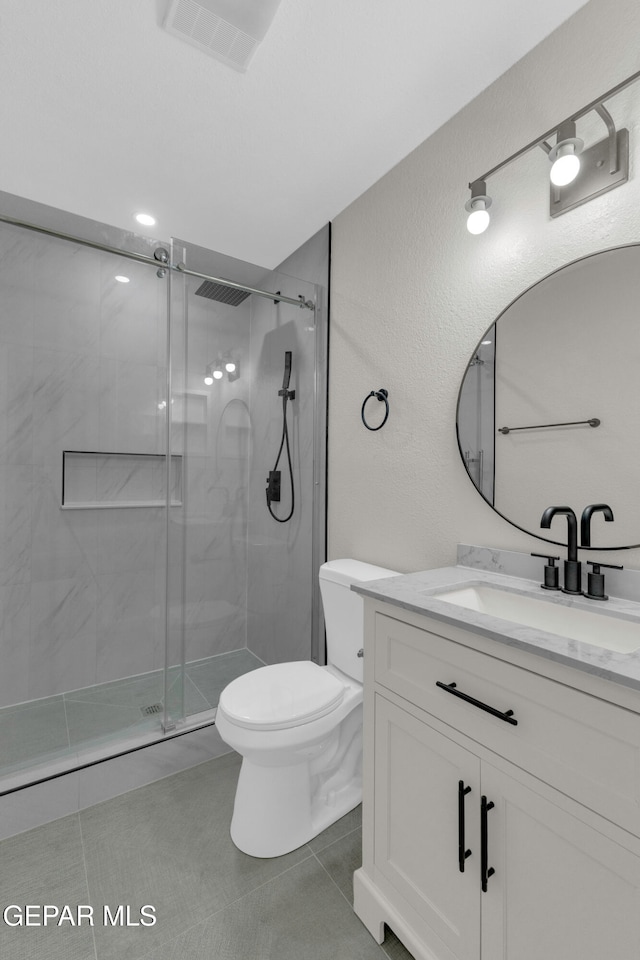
<point>298,728</point>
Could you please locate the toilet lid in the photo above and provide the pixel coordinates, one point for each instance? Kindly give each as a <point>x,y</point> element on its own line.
<point>281,695</point>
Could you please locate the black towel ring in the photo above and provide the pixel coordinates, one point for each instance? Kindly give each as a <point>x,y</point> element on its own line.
<point>382,396</point>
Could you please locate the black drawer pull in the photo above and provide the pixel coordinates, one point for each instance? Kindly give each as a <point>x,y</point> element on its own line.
<point>485,870</point>
<point>507,716</point>
<point>462,853</point>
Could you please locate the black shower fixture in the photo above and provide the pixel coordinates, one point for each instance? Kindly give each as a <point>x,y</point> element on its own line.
<point>273,480</point>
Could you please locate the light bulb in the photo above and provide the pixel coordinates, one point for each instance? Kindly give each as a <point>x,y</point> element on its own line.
<point>478,219</point>
<point>208,379</point>
<point>566,166</point>
<point>230,366</point>
<point>218,374</point>
<point>477,206</point>
<point>145,219</point>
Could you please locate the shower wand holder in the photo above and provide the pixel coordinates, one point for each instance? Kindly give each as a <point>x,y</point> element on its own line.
<point>287,394</point>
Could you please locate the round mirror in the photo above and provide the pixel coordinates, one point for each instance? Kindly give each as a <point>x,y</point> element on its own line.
<point>549,406</point>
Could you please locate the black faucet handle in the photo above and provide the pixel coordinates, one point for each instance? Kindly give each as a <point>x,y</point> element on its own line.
<point>595,580</point>
<point>551,572</point>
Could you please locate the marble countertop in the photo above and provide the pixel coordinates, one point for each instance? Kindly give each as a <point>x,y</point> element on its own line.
<point>415,592</point>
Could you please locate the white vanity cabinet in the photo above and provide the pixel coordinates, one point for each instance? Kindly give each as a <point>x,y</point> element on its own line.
<point>561,833</point>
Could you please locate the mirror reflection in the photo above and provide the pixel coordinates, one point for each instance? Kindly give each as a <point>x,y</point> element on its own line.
<point>549,411</point>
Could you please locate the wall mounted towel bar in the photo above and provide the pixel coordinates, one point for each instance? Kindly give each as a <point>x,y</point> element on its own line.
<point>594,422</point>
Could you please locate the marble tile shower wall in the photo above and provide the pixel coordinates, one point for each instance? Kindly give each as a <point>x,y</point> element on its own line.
<point>218,446</point>
<point>280,556</point>
<point>82,367</point>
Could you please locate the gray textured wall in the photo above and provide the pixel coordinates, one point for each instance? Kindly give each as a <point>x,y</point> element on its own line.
<point>412,292</point>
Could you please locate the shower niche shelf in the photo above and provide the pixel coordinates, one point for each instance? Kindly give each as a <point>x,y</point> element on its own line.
<point>97,480</point>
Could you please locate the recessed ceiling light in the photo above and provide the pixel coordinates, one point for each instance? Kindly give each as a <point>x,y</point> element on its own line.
<point>145,219</point>
<point>122,279</point>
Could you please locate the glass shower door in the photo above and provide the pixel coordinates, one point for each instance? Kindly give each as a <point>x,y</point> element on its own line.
<point>248,588</point>
<point>83,491</point>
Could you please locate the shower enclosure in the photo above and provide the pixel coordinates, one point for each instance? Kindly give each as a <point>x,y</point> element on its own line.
<point>476,416</point>
<point>140,570</point>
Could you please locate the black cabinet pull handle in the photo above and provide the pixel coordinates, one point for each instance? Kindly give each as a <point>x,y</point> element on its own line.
<point>485,871</point>
<point>507,716</point>
<point>462,853</point>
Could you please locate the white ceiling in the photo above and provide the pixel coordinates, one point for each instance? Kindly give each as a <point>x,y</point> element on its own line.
<point>103,113</point>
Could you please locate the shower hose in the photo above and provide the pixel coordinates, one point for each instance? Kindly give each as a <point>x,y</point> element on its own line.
<point>284,443</point>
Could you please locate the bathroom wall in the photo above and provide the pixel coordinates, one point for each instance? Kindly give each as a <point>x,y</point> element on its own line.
<point>412,292</point>
<point>283,557</point>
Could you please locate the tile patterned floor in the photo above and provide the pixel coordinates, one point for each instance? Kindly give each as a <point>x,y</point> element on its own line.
<point>167,844</point>
<point>32,733</point>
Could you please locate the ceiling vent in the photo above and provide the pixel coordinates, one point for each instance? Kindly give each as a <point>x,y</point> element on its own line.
<point>229,30</point>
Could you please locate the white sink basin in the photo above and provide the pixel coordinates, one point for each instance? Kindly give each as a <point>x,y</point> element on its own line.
<point>587,626</point>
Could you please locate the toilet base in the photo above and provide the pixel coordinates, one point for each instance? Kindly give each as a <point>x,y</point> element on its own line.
<point>287,817</point>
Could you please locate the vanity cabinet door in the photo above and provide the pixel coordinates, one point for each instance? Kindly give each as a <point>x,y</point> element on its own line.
<point>417,829</point>
<point>561,890</point>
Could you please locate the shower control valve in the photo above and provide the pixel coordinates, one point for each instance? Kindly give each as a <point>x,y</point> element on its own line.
<point>273,486</point>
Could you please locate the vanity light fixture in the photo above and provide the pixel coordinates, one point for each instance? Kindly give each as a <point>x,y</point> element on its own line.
<point>478,207</point>
<point>577,174</point>
<point>213,372</point>
<point>216,369</point>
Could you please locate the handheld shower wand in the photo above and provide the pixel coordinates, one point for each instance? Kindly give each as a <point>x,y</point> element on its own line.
<point>273,480</point>
<point>285,392</point>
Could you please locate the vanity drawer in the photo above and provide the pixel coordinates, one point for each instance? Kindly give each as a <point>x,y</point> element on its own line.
<point>577,743</point>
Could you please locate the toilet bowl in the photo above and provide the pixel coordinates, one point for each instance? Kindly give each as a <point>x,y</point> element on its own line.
<point>298,728</point>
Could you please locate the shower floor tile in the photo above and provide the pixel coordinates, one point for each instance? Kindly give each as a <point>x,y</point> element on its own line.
<point>42,730</point>
<point>97,721</point>
<point>31,732</point>
<point>213,674</point>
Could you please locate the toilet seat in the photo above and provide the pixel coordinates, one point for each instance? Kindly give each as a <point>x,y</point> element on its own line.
<point>281,695</point>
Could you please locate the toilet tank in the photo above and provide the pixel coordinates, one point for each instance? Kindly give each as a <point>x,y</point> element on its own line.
<point>343,611</point>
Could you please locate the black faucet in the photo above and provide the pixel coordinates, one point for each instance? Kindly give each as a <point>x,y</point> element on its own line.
<point>572,566</point>
<point>585,522</point>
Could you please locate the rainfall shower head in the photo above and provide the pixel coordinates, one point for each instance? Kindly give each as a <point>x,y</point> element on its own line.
<point>217,291</point>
